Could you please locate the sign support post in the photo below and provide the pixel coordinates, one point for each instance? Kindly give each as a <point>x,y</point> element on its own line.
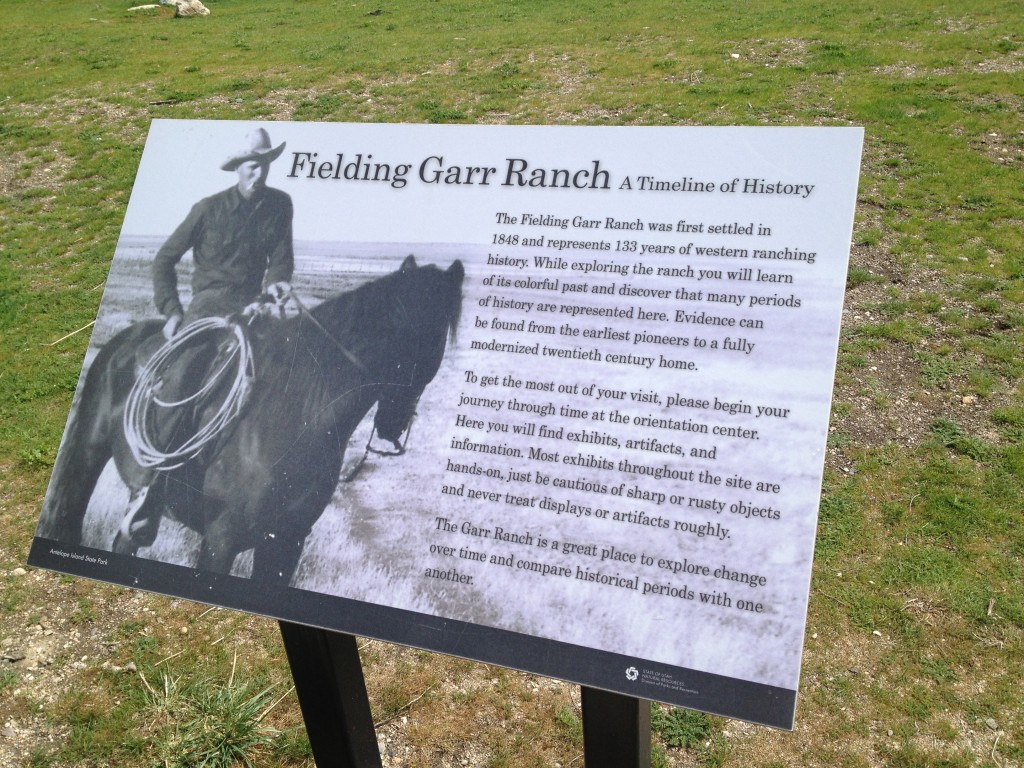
<point>616,730</point>
<point>336,709</point>
<point>332,694</point>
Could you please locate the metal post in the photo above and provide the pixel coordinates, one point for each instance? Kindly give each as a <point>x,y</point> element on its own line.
<point>616,730</point>
<point>332,694</point>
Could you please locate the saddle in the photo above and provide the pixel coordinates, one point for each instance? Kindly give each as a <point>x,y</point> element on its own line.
<point>187,391</point>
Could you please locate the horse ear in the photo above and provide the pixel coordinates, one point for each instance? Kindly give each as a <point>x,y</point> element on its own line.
<point>409,264</point>
<point>457,272</point>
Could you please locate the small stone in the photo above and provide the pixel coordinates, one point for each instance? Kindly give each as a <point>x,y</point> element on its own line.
<point>968,399</point>
<point>992,724</point>
<point>18,572</point>
<point>130,667</point>
<point>8,732</point>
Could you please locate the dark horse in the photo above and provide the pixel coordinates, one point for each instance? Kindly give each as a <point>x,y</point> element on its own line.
<point>267,478</point>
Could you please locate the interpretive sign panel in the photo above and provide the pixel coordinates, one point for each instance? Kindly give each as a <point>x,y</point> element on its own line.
<point>614,468</point>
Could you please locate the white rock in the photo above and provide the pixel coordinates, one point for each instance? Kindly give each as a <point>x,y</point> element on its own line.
<point>190,8</point>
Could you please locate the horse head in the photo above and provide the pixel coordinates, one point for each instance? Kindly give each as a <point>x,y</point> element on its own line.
<point>423,306</point>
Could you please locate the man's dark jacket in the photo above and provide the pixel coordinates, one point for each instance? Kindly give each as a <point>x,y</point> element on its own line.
<point>238,246</point>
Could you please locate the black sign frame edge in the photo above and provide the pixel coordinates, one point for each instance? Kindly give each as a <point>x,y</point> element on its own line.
<point>589,667</point>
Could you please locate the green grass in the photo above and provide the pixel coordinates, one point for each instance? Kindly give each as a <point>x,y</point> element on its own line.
<point>197,723</point>
<point>921,542</point>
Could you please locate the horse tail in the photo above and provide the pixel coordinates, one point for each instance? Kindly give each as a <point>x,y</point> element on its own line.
<point>88,440</point>
<point>456,274</point>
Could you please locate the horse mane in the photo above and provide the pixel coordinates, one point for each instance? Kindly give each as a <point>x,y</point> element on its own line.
<point>351,312</point>
<point>354,319</point>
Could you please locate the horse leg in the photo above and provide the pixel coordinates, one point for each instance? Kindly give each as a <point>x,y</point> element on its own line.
<point>276,557</point>
<point>222,539</point>
<point>147,488</point>
<point>232,527</point>
<point>288,513</point>
<point>217,559</point>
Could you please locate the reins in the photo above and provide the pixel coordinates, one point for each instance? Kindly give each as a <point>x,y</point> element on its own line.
<point>303,310</point>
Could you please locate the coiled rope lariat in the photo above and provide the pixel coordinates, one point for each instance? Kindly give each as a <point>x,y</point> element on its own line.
<point>140,414</point>
<point>140,411</point>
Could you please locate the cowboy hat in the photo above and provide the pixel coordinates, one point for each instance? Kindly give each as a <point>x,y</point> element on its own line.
<point>258,148</point>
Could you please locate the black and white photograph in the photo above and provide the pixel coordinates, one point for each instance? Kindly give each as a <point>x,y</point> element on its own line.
<point>551,398</point>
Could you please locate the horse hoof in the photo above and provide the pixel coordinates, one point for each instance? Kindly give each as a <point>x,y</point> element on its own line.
<point>124,546</point>
<point>142,533</point>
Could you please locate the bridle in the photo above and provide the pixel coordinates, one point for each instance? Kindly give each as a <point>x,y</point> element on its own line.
<point>354,359</point>
<point>399,449</point>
